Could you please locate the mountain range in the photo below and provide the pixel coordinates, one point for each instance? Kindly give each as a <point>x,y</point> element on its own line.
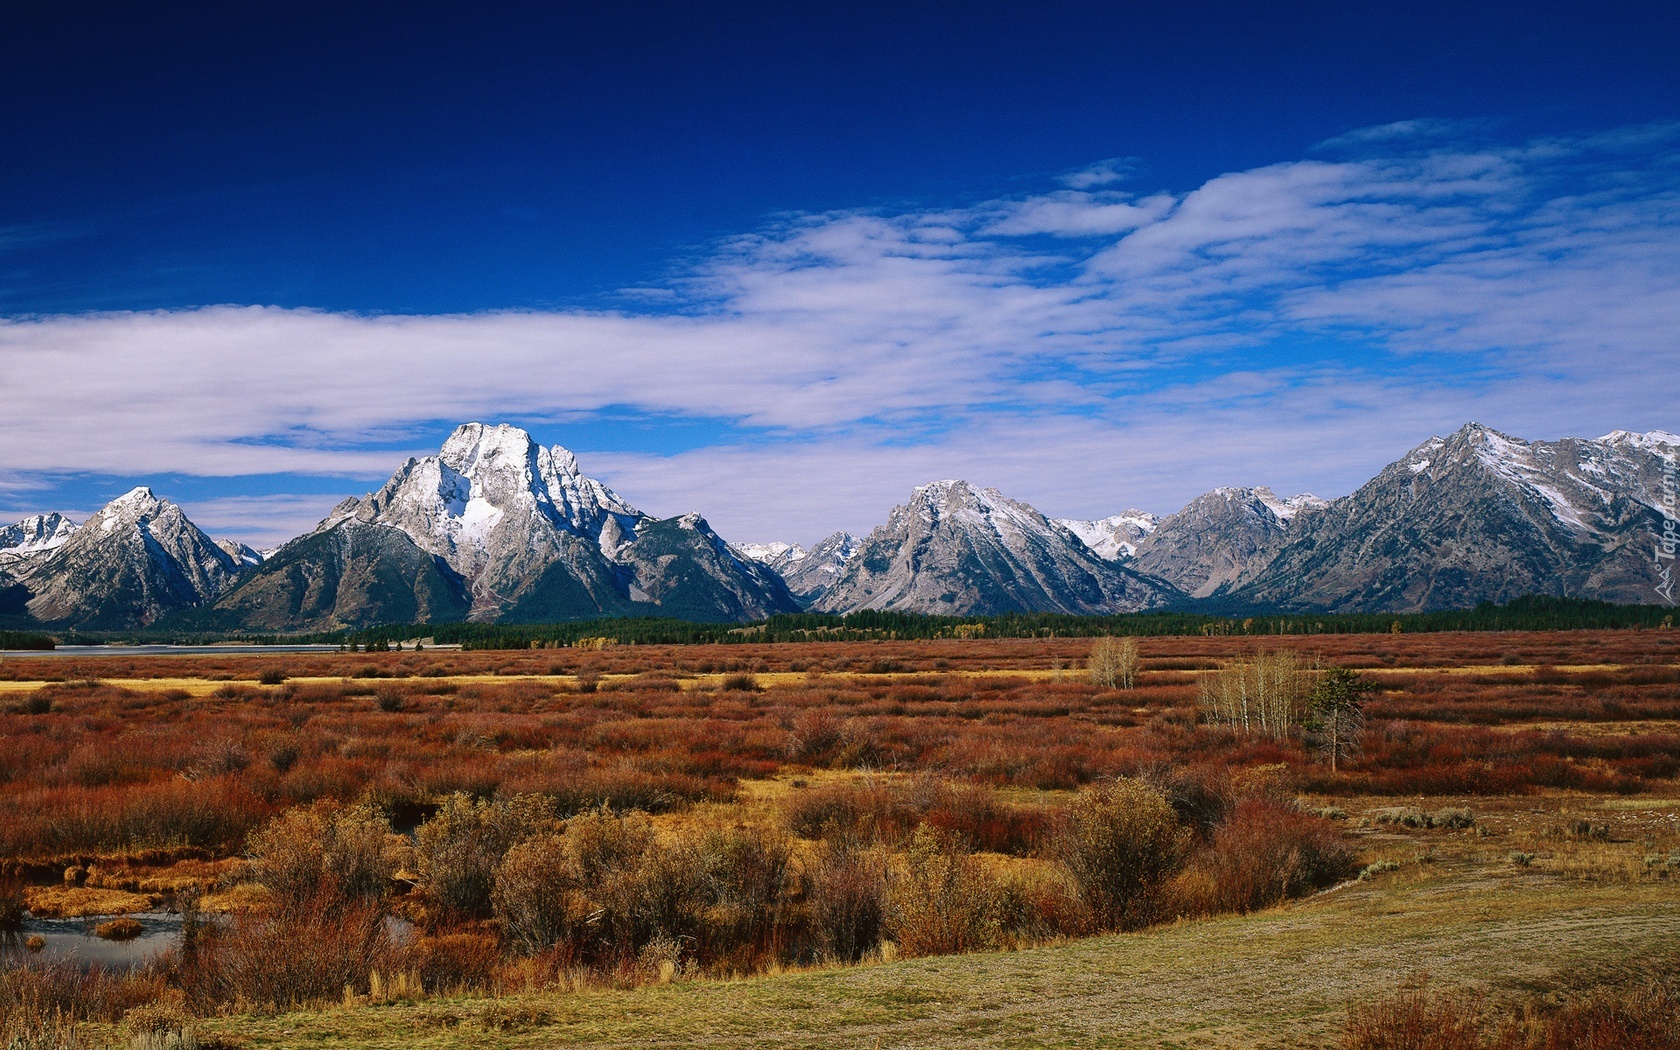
<point>498,528</point>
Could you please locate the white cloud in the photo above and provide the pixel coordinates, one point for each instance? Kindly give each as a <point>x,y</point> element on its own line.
<point>1102,173</point>
<point>1297,324</point>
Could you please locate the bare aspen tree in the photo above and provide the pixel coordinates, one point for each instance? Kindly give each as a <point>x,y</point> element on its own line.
<point>1128,662</point>
<point>1264,696</point>
<point>1114,662</point>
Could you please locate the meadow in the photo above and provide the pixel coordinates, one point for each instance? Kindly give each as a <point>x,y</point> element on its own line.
<point>931,842</point>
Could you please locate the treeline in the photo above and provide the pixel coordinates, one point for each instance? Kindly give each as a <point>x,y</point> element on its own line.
<point>25,640</point>
<point>1532,613</point>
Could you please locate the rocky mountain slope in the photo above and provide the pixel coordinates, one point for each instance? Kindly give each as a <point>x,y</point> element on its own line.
<point>1479,516</point>
<point>954,550</point>
<point>1219,537</point>
<point>136,561</point>
<point>516,532</point>
<point>352,575</point>
<point>495,527</point>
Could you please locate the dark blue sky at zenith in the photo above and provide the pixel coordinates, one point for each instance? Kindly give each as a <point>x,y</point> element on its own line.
<point>657,164</point>
<point>445,157</point>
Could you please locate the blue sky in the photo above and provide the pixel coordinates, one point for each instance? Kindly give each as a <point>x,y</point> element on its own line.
<point>780,264</point>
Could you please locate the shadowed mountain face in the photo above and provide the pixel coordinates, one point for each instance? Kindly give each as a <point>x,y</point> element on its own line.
<point>496,527</point>
<point>1479,516</point>
<point>136,561</point>
<point>354,575</point>
<point>956,551</point>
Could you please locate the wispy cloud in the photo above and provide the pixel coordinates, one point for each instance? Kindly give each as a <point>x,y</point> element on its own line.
<point>1084,348</point>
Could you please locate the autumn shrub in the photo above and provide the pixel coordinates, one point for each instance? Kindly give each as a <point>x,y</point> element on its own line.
<point>1632,1016</point>
<point>607,887</point>
<point>941,901</point>
<point>328,847</point>
<point>11,903</point>
<point>1413,1020</point>
<point>1120,841</point>
<point>845,884</point>
<point>1641,1017</point>
<point>747,874</point>
<point>456,962</point>
<point>533,895</point>
<point>284,957</point>
<point>459,848</point>
<point>867,808</point>
<point>36,991</point>
<point>979,819</point>
<point>1263,852</point>
<point>623,788</point>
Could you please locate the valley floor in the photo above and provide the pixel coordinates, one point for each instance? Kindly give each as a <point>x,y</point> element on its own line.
<point>1459,914</point>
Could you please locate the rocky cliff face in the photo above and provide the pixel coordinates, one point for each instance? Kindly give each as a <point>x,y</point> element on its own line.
<point>957,551</point>
<point>686,569</point>
<point>1220,538</point>
<point>1480,516</point>
<point>32,540</point>
<point>136,561</point>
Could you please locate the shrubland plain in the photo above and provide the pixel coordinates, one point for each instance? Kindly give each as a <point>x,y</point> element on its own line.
<point>1165,841</point>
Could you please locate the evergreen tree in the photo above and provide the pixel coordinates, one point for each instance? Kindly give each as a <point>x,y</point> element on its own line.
<point>1337,704</point>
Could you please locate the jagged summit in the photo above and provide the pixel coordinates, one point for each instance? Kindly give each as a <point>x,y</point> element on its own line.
<point>808,573</point>
<point>1479,515</point>
<point>496,526</point>
<point>497,508</point>
<point>1660,441</point>
<point>34,536</point>
<point>518,532</point>
<point>136,560</point>
<point>1218,537</point>
<point>957,550</point>
<point>1114,538</point>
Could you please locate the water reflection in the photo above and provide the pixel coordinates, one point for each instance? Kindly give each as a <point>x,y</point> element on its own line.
<point>73,941</point>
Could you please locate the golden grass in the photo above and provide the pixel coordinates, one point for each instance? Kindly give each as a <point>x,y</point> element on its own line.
<point>1282,978</point>
<point>74,902</point>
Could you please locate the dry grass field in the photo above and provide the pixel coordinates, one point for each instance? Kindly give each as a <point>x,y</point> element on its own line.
<point>784,845</point>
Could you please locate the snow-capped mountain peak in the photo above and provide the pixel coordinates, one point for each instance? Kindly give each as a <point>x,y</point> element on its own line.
<point>1659,441</point>
<point>1116,537</point>
<point>952,549</point>
<point>35,535</point>
<point>138,558</point>
<point>134,505</point>
<point>514,522</point>
<point>489,487</point>
<point>772,554</point>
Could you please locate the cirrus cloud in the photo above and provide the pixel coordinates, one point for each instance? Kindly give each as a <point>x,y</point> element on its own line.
<point>1297,324</point>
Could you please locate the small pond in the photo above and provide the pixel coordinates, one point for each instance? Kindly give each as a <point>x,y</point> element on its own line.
<point>73,940</point>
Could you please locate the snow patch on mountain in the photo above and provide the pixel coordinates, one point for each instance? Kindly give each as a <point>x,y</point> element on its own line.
<point>772,554</point>
<point>1114,538</point>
